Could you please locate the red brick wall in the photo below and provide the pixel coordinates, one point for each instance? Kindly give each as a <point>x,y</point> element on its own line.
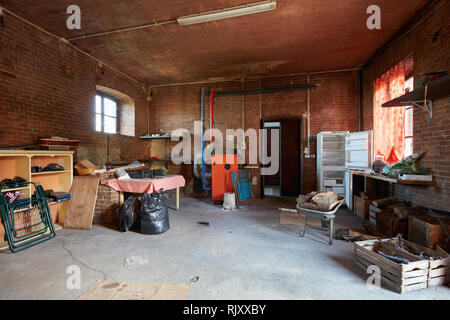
<point>432,137</point>
<point>334,106</point>
<point>47,88</point>
<point>106,204</point>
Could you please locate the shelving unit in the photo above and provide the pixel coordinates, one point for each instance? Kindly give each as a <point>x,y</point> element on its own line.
<point>434,90</point>
<point>19,162</point>
<point>331,161</point>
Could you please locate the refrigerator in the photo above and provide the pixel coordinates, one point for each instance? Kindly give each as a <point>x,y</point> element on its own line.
<point>338,152</point>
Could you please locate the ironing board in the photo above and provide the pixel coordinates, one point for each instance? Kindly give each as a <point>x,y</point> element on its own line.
<point>321,215</point>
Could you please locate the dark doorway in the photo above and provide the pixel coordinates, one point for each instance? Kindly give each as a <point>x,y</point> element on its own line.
<point>287,181</point>
<point>290,165</point>
<point>272,184</point>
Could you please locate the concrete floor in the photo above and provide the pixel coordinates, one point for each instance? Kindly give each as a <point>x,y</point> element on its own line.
<point>243,254</point>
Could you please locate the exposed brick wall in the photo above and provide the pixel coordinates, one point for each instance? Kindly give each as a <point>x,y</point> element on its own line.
<point>432,137</point>
<point>48,89</point>
<point>334,106</point>
<point>106,204</point>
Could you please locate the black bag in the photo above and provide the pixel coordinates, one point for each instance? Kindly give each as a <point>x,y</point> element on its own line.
<point>154,214</point>
<point>128,214</point>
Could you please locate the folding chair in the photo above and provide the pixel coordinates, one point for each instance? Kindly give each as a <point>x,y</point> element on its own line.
<point>36,225</point>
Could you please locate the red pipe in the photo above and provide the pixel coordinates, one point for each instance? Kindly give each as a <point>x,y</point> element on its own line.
<point>211,113</point>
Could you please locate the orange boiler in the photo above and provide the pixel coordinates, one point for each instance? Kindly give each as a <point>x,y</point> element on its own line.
<point>222,166</point>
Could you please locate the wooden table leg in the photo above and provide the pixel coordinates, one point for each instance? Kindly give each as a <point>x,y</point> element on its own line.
<point>121,198</point>
<point>177,206</point>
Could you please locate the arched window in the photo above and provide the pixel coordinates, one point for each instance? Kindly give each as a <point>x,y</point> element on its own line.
<point>114,112</point>
<point>106,113</point>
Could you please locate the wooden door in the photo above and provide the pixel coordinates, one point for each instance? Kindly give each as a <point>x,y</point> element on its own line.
<point>273,180</point>
<point>290,164</point>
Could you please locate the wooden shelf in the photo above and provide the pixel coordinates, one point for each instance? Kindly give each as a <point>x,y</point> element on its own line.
<point>19,162</point>
<point>49,172</point>
<point>15,189</point>
<point>393,180</point>
<point>436,89</point>
<point>155,137</point>
<point>417,183</point>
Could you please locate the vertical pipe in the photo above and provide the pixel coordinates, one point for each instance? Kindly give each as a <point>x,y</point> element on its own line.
<point>211,110</point>
<point>360,100</point>
<point>204,92</point>
<point>308,114</point>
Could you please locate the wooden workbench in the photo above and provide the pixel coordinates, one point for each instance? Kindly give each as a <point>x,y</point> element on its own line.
<point>391,179</point>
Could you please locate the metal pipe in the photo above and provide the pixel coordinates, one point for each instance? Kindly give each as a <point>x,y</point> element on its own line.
<point>290,75</point>
<point>308,113</point>
<point>122,30</point>
<point>211,114</point>
<point>204,92</point>
<point>265,90</point>
<point>360,125</point>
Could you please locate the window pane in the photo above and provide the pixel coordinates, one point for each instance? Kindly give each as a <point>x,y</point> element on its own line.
<point>98,122</point>
<point>98,104</point>
<point>110,124</point>
<point>110,107</point>
<point>408,147</point>
<point>409,122</point>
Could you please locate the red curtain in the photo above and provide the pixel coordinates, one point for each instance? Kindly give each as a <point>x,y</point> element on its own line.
<point>389,123</point>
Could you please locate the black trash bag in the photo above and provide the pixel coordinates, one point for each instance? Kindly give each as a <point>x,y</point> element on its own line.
<point>154,214</point>
<point>128,214</point>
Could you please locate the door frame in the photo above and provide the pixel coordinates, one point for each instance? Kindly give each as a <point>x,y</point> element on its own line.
<point>301,122</point>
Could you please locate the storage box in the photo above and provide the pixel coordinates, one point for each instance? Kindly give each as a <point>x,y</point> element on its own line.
<point>290,218</point>
<point>400,278</point>
<point>361,207</point>
<point>389,224</point>
<point>427,231</point>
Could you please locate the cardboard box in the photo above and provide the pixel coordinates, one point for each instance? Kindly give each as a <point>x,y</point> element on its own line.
<point>361,207</point>
<point>290,218</point>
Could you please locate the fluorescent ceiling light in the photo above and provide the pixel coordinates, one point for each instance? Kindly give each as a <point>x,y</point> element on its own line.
<point>228,13</point>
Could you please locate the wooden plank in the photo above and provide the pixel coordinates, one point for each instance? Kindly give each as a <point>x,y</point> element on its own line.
<point>80,210</point>
<point>438,281</point>
<point>113,290</point>
<point>385,201</point>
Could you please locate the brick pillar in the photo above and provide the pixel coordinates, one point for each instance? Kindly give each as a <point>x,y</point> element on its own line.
<point>106,205</point>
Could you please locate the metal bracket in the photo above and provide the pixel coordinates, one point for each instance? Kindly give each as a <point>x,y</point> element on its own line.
<point>420,104</point>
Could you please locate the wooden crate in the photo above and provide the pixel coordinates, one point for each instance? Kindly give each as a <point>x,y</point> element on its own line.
<point>361,207</point>
<point>439,269</point>
<point>400,278</point>
<point>427,231</point>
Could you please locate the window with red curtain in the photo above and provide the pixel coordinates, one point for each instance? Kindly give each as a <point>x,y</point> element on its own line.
<point>389,123</point>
